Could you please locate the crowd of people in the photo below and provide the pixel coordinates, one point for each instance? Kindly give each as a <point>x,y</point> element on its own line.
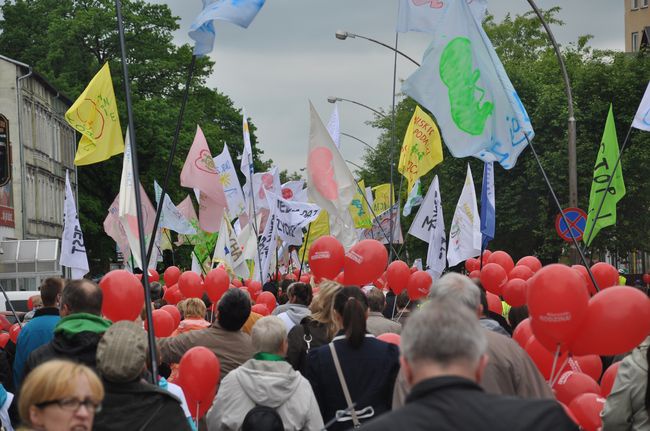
<point>317,362</point>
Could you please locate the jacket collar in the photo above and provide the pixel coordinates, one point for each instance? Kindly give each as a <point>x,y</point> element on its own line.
<point>429,386</point>
<point>46,311</point>
<point>376,313</point>
<point>341,336</point>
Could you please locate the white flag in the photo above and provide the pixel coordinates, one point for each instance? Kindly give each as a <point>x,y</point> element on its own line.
<point>230,183</point>
<point>267,246</point>
<point>291,217</point>
<point>228,252</point>
<point>642,117</point>
<point>381,227</point>
<point>171,217</point>
<point>437,250</point>
<point>294,191</point>
<point>333,126</point>
<point>246,166</point>
<point>426,15</point>
<point>73,249</point>
<point>465,231</point>
<point>425,220</point>
<point>264,182</point>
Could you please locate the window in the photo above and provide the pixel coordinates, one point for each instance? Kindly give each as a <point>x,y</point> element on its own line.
<point>644,3</point>
<point>635,4</point>
<point>635,42</point>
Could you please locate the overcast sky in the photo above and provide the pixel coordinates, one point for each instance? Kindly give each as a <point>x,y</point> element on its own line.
<point>289,55</point>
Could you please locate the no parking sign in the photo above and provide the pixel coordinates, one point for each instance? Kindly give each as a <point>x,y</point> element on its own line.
<point>577,219</point>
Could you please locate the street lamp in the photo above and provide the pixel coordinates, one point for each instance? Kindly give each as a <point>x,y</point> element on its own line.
<point>373,149</point>
<point>333,99</point>
<point>342,35</point>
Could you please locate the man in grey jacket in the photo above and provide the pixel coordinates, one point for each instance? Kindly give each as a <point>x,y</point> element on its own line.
<point>300,296</point>
<point>377,324</point>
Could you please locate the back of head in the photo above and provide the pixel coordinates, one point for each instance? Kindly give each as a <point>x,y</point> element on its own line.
<point>458,287</point>
<point>234,308</point>
<point>402,300</point>
<point>269,334</point>
<point>194,308</point>
<point>376,300</point>
<point>484,301</point>
<point>122,352</point>
<point>261,418</point>
<point>444,333</point>
<point>82,296</point>
<point>300,293</point>
<point>156,291</point>
<point>351,304</point>
<point>50,290</point>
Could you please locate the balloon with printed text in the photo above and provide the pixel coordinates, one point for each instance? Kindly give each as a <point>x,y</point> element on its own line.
<point>326,257</point>
<point>364,262</point>
<point>586,409</point>
<point>419,284</point>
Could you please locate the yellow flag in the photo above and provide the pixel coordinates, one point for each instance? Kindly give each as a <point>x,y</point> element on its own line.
<point>382,198</point>
<point>317,228</point>
<point>359,209</point>
<point>422,148</point>
<point>94,115</point>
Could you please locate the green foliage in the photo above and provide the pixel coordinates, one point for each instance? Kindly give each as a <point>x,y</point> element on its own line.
<point>67,41</point>
<point>524,208</point>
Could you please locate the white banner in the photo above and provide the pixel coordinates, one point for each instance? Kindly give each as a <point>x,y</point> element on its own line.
<point>171,217</point>
<point>381,227</point>
<point>291,217</point>
<point>73,249</point>
<point>465,231</point>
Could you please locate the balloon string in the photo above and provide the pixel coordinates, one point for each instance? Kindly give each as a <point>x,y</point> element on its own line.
<point>196,419</point>
<point>557,377</point>
<point>555,357</point>
<point>402,311</point>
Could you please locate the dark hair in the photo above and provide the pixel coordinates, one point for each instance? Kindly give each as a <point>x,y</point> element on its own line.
<point>402,299</point>
<point>516,315</point>
<point>156,291</point>
<point>301,292</point>
<point>484,301</point>
<point>234,309</point>
<point>50,289</point>
<point>352,304</point>
<point>271,286</point>
<point>376,300</point>
<point>82,296</point>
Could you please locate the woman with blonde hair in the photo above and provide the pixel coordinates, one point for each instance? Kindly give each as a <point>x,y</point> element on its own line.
<point>60,395</point>
<point>315,330</point>
<point>193,311</point>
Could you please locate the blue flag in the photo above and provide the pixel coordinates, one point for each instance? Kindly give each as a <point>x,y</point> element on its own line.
<point>488,211</point>
<point>239,12</point>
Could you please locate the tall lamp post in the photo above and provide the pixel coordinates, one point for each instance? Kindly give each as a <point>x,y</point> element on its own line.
<point>373,149</point>
<point>333,99</point>
<point>342,35</point>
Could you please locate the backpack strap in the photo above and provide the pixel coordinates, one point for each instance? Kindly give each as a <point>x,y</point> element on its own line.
<point>344,386</point>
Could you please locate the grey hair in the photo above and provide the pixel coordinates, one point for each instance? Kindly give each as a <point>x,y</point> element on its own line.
<point>268,334</point>
<point>443,333</point>
<point>458,287</point>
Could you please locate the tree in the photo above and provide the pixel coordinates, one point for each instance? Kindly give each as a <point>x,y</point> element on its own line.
<point>67,41</point>
<point>524,208</point>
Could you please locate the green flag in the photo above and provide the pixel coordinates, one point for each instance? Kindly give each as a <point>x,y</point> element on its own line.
<point>599,196</point>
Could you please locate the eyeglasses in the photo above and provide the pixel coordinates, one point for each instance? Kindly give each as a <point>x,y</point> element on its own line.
<point>73,404</point>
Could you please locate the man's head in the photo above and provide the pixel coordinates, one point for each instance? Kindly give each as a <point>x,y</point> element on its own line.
<point>376,300</point>
<point>156,291</point>
<point>460,288</point>
<point>234,308</point>
<point>443,338</point>
<point>269,335</point>
<point>51,291</point>
<point>81,296</point>
<point>300,293</point>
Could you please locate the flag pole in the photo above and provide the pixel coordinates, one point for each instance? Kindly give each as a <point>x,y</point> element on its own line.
<point>609,183</point>
<point>302,261</point>
<point>138,201</point>
<point>172,153</point>
<point>392,155</point>
<point>557,203</point>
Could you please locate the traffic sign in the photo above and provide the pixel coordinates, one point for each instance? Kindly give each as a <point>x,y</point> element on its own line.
<point>577,219</point>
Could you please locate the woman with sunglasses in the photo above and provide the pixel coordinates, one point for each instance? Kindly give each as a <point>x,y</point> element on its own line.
<point>60,396</point>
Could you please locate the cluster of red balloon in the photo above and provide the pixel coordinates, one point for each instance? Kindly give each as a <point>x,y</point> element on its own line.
<point>198,374</point>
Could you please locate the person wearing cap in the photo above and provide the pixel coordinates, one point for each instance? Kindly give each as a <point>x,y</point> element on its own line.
<point>130,402</point>
<point>81,326</point>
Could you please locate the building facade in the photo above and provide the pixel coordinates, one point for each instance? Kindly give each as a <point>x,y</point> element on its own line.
<point>40,146</point>
<point>637,24</point>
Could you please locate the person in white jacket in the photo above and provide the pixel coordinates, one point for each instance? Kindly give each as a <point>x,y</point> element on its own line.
<point>266,380</point>
<point>626,408</point>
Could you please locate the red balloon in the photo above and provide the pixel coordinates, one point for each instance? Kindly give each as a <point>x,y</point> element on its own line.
<point>582,270</point>
<point>326,256</point>
<point>475,274</point>
<point>153,275</point>
<point>514,292</point>
<point>472,264</point>
<point>123,295</point>
<point>586,409</point>
<point>237,282</point>
<point>391,338</point>
<point>609,376</point>
<point>569,413</point>
<point>493,278</point>
<point>557,302</point>
<point>531,262</point>
<point>605,274</point>
<point>397,276</point>
<point>543,358</point>
<point>173,295</point>
<point>502,258</point>
<point>591,365</point>
<point>494,303</point>
<point>305,278</point>
<point>571,384</point>
<point>413,269</point>
<point>419,284</point>
<point>260,309</point>
<point>198,375</point>
<point>216,284</point>
<point>486,255</point>
<point>163,323</point>
<point>4,339</point>
<point>14,331</point>
<point>646,278</point>
<point>522,272</point>
<point>171,275</point>
<point>523,332</point>
<point>255,288</point>
<point>340,278</point>
<point>364,262</point>
<point>173,311</point>
<point>267,299</point>
<point>617,320</point>
<point>191,285</point>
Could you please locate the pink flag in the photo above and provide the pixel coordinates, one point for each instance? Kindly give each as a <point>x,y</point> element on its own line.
<point>186,208</point>
<point>199,171</point>
<point>113,228</point>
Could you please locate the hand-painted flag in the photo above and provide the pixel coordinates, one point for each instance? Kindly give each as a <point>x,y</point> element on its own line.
<point>238,12</point>
<point>73,249</point>
<point>264,182</point>
<point>383,199</point>
<point>465,232</point>
<point>642,117</point>
<point>464,85</point>
<point>488,206</point>
<point>382,225</point>
<point>359,209</point>
<point>295,191</point>
<point>230,182</point>
<point>200,172</point>
<point>422,148</point>
<point>436,253</point>
<point>427,15</point>
<point>94,114</point>
<point>602,202</point>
